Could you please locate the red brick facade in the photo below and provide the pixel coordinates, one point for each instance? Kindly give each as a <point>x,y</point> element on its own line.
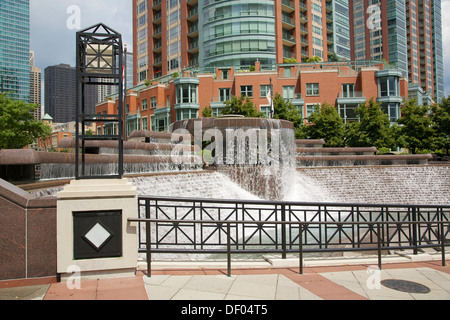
<point>305,85</point>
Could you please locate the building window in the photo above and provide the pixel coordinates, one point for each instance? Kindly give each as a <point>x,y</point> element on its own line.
<point>310,108</point>
<point>224,74</point>
<point>264,89</point>
<point>266,110</point>
<point>247,91</point>
<point>312,89</point>
<point>348,90</point>
<point>224,94</point>
<point>144,123</point>
<point>144,104</point>
<point>392,110</point>
<point>153,102</point>
<point>186,114</point>
<point>288,92</point>
<point>389,86</point>
<point>187,93</point>
<point>160,122</point>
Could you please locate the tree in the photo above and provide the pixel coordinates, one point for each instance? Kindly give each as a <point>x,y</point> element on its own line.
<point>325,123</point>
<point>373,129</point>
<point>284,109</point>
<point>18,127</point>
<point>416,132</point>
<point>207,112</point>
<point>440,115</point>
<point>241,105</point>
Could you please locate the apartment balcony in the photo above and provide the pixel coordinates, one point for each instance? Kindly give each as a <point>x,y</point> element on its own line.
<point>157,61</point>
<point>193,30</point>
<point>303,7</point>
<point>288,39</point>
<point>304,41</point>
<point>288,22</point>
<point>303,30</point>
<point>298,100</point>
<point>193,47</point>
<point>192,2</point>
<point>157,18</point>
<point>305,53</point>
<point>330,28</point>
<point>352,98</point>
<point>193,14</point>
<point>157,47</point>
<point>157,4</point>
<point>157,32</point>
<point>287,5</point>
<point>303,17</point>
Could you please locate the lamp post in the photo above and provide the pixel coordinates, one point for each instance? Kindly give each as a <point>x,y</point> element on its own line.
<point>124,79</point>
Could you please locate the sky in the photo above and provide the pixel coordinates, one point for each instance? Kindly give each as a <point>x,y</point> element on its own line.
<point>54,24</point>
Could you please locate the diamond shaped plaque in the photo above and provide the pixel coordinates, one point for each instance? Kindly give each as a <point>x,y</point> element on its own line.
<point>97,236</point>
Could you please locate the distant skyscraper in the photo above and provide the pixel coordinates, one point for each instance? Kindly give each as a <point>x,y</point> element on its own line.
<point>35,86</point>
<point>60,93</point>
<point>15,48</point>
<point>408,36</point>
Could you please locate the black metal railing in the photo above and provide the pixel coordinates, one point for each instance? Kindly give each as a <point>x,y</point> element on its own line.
<point>205,226</point>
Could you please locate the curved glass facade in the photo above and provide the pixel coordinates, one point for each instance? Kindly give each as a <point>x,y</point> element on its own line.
<point>237,33</point>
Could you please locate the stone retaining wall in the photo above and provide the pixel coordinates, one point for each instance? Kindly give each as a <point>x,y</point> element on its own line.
<point>27,234</point>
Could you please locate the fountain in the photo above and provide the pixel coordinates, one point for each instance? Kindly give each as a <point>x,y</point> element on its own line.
<point>249,159</point>
<point>257,154</point>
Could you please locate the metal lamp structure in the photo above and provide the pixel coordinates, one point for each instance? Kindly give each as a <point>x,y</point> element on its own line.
<point>99,57</point>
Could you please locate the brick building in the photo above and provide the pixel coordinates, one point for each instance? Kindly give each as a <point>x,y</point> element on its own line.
<point>344,84</point>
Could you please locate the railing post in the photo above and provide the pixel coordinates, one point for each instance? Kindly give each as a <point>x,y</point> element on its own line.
<point>148,238</point>
<point>283,231</point>
<point>300,248</point>
<point>379,245</point>
<point>415,226</point>
<point>443,243</point>
<point>228,250</point>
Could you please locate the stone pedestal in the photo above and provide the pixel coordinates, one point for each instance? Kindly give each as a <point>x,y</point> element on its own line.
<point>94,237</point>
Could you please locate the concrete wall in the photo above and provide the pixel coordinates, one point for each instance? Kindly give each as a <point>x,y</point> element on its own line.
<point>27,234</point>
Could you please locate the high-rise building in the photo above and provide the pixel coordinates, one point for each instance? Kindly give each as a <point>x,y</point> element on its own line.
<point>60,93</point>
<point>175,34</point>
<point>35,86</point>
<point>15,48</point>
<point>405,33</point>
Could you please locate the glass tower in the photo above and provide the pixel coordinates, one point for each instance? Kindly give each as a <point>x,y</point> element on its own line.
<point>237,33</point>
<point>15,48</point>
